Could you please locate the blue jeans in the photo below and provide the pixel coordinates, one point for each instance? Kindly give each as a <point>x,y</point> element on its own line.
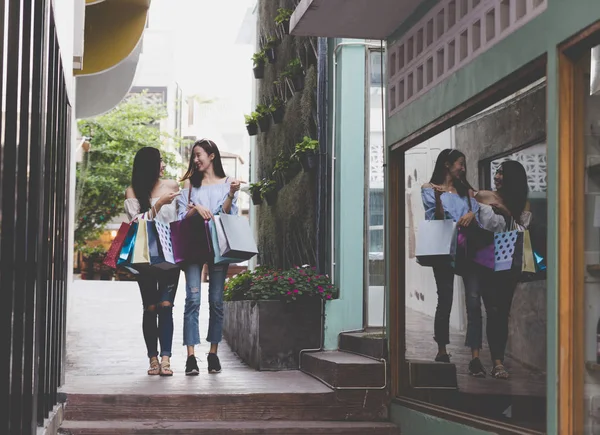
<point>216,275</point>
<point>157,289</point>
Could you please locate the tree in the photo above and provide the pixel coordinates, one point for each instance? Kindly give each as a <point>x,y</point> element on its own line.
<point>105,172</point>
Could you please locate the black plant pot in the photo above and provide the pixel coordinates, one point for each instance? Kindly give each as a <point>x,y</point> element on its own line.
<point>298,82</point>
<point>278,115</point>
<point>259,70</point>
<point>256,198</point>
<point>271,197</point>
<point>308,161</point>
<point>264,123</point>
<point>252,129</point>
<point>271,56</point>
<point>286,27</point>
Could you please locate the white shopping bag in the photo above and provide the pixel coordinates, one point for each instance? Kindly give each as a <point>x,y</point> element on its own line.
<point>436,238</point>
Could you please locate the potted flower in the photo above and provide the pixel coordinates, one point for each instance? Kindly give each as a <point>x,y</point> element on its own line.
<point>255,192</point>
<point>252,123</point>
<point>306,153</point>
<point>269,48</point>
<point>295,72</point>
<point>264,117</point>
<point>277,110</point>
<point>259,60</point>
<point>283,19</point>
<point>268,191</point>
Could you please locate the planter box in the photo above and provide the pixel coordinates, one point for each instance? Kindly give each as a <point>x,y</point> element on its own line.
<point>269,335</point>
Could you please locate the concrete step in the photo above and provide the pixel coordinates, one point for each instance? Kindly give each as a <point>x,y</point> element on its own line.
<point>323,406</point>
<point>373,344</point>
<point>343,369</point>
<point>157,427</point>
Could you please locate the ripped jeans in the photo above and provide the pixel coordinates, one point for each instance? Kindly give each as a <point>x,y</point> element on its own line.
<point>158,294</point>
<point>216,275</point>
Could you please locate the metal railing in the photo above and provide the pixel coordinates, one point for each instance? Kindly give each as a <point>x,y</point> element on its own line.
<point>34,226</point>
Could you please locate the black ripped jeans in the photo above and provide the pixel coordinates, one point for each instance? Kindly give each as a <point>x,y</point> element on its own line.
<point>158,295</point>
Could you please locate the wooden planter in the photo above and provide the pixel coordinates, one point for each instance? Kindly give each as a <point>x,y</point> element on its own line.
<point>277,115</point>
<point>308,161</point>
<point>271,56</point>
<point>269,335</point>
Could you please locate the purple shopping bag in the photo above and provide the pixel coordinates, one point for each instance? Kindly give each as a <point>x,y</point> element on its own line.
<point>477,245</point>
<point>191,240</point>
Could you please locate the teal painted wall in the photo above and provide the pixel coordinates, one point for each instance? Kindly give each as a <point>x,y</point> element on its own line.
<point>540,37</point>
<point>416,423</point>
<point>346,313</point>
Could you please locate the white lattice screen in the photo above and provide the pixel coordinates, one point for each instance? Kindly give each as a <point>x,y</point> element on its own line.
<point>448,37</point>
<point>533,160</point>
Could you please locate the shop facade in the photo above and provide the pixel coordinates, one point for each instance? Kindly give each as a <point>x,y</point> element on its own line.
<point>498,80</point>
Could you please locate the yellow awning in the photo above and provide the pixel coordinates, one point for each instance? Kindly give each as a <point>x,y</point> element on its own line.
<point>113,28</point>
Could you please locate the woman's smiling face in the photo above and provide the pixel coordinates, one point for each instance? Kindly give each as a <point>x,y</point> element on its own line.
<point>202,160</point>
<point>498,178</point>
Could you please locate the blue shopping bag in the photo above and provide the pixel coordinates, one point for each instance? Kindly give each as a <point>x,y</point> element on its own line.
<point>155,250</point>
<point>127,249</point>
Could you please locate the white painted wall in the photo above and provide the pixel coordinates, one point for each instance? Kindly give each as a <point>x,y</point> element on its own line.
<point>421,292</point>
<point>67,20</point>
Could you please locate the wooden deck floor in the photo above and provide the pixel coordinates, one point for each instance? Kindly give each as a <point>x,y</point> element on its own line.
<point>420,346</point>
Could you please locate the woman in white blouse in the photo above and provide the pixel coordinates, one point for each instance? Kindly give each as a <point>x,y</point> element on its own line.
<point>151,197</point>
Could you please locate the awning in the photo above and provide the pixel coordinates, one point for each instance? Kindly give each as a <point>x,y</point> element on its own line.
<point>361,19</point>
<point>113,29</point>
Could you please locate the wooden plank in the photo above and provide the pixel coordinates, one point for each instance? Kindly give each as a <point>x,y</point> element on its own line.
<point>571,246</point>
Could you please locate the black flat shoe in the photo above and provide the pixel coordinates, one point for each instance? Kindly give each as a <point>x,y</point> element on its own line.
<point>191,366</point>
<point>214,365</point>
<point>476,369</point>
<point>442,357</point>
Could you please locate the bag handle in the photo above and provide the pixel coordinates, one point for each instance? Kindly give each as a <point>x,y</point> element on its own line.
<point>439,213</point>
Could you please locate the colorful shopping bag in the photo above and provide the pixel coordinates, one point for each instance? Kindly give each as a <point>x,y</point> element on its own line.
<point>528,257</point>
<point>155,252</point>
<point>504,253</point>
<point>436,241</point>
<point>127,249</point>
<point>140,248</point>
<point>239,241</point>
<point>112,255</point>
<point>164,235</point>
<point>191,240</point>
<point>216,234</point>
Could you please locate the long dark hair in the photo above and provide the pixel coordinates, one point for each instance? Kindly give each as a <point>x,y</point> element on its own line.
<point>445,159</point>
<point>196,176</point>
<point>145,174</point>
<point>514,188</point>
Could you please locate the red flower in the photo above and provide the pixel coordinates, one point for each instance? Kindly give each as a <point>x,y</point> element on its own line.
<point>295,291</point>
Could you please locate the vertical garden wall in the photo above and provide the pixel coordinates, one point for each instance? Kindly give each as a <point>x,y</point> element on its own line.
<point>287,101</point>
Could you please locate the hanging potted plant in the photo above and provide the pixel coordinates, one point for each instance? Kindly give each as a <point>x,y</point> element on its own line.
<point>306,153</point>
<point>252,123</point>
<point>264,117</point>
<point>259,60</point>
<point>268,191</point>
<point>277,110</point>
<point>269,49</point>
<point>296,74</point>
<point>283,171</point>
<point>283,19</point>
<point>255,192</point>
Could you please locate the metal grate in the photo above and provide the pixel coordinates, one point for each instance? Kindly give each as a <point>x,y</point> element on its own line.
<point>447,38</point>
<point>34,181</point>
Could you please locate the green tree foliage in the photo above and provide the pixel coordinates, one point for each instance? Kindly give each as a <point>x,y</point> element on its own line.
<point>105,172</point>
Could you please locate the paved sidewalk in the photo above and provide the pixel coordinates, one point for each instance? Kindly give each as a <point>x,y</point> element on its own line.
<point>104,330</point>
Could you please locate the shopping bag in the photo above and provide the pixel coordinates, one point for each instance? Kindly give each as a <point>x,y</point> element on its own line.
<point>216,233</point>
<point>155,252</point>
<point>239,241</point>
<point>113,253</point>
<point>140,247</point>
<point>436,241</point>
<point>127,249</point>
<point>505,244</point>
<point>164,235</point>
<point>190,239</point>
<point>528,258</point>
